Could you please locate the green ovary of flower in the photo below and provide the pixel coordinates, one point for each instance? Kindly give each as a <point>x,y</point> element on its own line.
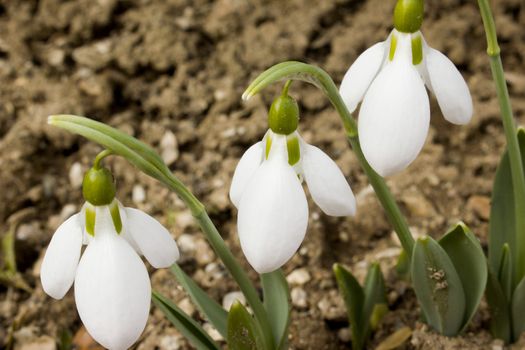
<point>98,187</point>
<point>408,15</point>
<point>283,117</point>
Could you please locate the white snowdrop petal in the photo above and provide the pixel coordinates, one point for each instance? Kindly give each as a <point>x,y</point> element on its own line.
<point>125,229</point>
<point>112,291</point>
<point>448,85</point>
<point>250,161</point>
<point>273,215</point>
<point>153,239</point>
<point>326,183</point>
<point>360,75</point>
<point>394,118</point>
<point>60,262</point>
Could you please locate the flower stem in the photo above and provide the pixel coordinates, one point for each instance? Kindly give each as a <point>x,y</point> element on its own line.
<point>99,157</point>
<point>516,167</point>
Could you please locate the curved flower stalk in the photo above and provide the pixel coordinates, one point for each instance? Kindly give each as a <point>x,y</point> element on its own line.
<point>266,188</point>
<point>389,79</point>
<point>112,286</point>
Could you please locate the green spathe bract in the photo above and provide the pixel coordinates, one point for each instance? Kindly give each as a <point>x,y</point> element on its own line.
<point>98,187</point>
<point>408,15</point>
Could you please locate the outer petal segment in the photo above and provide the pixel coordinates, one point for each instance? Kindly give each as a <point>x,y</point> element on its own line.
<point>273,215</point>
<point>249,163</point>
<point>326,182</point>
<point>61,259</point>
<point>153,239</point>
<point>112,291</point>
<point>360,75</point>
<point>394,118</point>
<point>448,85</point>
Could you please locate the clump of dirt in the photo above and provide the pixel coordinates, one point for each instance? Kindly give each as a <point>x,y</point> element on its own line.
<point>171,73</point>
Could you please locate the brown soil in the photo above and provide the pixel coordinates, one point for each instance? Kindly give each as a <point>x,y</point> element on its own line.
<point>158,69</point>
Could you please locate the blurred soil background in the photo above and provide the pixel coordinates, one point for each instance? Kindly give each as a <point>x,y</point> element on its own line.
<point>171,73</point>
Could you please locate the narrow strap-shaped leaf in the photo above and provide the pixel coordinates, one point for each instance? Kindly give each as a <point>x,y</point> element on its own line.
<point>209,307</point>
<point>184,324</point>
<point>242,334</point>
<point>500,321</point>
<point>469,261</point>
<point>375,295</point>
<point>354,298</point>
<point>277,304</point>
<point>438,287</point>
<point>518,309</point>
<point>506,271</point>
<point>502,225</point>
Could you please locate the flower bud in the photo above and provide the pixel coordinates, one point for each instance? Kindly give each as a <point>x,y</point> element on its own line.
<point>98,187</point>
<point>408,15</point>
<point>283,117</point>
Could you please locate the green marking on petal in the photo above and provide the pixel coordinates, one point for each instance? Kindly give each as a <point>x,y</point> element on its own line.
<point>417,50</point>
<point>294,151</point>
<point>90,220</point>
<point>393,46</point>
<point>115,215</point>
<point>268,145</point>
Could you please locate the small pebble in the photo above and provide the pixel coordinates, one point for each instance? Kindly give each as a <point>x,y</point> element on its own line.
<point>138,194</point>
<point>170,342</point>
<point>480,205</point>
<point>344,334</point>
<point>299,298</point>
<point>187,306</point>
<point>186,243</point>
<point>212,332</point>
<point>298,277</point>
<point>169,148</point>
<point>76,175</point>
<point>41,343</point>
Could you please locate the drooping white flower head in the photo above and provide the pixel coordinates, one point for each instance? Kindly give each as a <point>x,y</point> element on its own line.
<point>266,188</point>
<point>389,79</point>
<point>112,286</point>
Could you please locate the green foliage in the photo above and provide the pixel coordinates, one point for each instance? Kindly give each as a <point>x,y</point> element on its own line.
<point>438,287</point>
<point>277,305</point>
<point>209,307</point>
<point>365,306</point>
<point>505,291</point>
<point>184,324</point>
<point>449,278</point>
<point>242,333</point>
<point>466,254</point>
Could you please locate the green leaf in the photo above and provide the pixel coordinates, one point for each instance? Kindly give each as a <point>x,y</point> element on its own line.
<point>505,272</point>
<point>277,305</point>
<point>466,254</point>
<point>438,287</point>
<point>190,329</point>
<point>209,307</point>
<point>502,225</point>
<point>242,334</point>
<point>354,298</point>
<point>403,265</point>
<point>375,296</point>
<point>518,309</point>
<point>499,308</point>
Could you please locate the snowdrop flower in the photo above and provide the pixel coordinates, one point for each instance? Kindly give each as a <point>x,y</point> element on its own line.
<point>112,286</point>
<point>389,78</point>
<point>266,189</point>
